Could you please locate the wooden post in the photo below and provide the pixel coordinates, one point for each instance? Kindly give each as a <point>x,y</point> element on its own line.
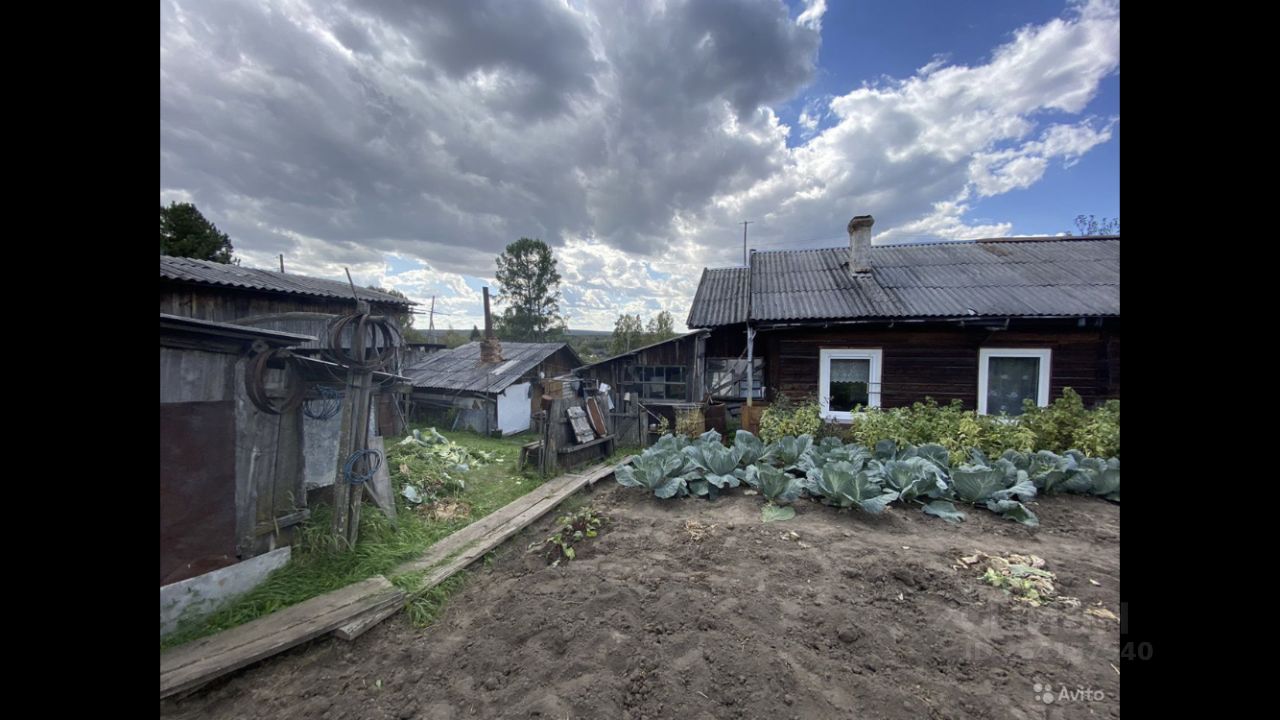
<point>354,437</point>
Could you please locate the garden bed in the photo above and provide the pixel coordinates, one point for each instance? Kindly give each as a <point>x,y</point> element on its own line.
<point>856,615</point>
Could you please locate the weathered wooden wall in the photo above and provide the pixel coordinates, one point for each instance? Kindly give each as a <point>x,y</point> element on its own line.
<point>558,363</point>
<point>936,360</point>
<point>268,449</point>
<point>687,352</point>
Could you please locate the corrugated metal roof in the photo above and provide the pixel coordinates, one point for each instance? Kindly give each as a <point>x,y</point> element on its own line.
<point>721,298</point>
<point>206,272</point>
<point>1040,277</point>
<point>460,369</point>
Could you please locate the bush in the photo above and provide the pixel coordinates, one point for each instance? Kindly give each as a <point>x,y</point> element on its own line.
<point>1062,426</point>
<point>785,418</point>
<point>1065,424</point>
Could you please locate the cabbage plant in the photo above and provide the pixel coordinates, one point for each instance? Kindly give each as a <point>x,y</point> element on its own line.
<point>775,485</point>
<point>791,452</point>
<point>842,485</point>
<point>753,450</point>
<point>712,466</point>
<point>657,473</point>
<point>996,487</point>
<point>913,477</point>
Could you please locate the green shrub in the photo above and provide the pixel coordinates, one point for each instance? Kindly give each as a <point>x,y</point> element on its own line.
<point>786,418</point>
<point>1064,425</point>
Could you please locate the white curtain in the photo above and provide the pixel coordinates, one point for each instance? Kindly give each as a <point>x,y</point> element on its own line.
<point>850,371</point>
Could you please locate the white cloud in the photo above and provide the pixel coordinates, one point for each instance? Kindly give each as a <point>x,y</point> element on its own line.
<point>632,137</point>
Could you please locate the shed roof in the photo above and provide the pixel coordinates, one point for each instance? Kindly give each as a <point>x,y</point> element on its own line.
<point>642,348</point>
<point>460,369</point>
<point>207,272</point>
<point>1008,277</point>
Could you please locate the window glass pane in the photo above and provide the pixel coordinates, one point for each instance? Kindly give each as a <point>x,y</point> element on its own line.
<point>849,383</point>
<point>1010,380</point>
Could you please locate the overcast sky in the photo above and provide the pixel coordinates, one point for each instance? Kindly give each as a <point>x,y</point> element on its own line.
<point>411,142</point>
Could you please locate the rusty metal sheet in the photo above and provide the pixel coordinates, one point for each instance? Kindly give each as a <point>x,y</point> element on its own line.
<point>197,488</point>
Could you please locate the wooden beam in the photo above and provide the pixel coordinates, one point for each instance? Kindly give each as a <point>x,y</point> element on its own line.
<point>194,664</point>
<point>281,522</point>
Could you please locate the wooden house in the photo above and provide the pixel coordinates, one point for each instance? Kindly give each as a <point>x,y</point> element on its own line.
<point>988,322</point>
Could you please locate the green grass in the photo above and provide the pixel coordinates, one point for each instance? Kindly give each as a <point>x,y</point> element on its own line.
<point>316,569</point>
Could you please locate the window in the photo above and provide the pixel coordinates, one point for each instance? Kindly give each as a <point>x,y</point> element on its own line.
<point>848,378</point>
<point>656,382</point>
<point>728,377</point>
<point>1007,376</point>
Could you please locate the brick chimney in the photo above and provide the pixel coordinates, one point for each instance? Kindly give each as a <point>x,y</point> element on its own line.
<point>490,346</point>
<point>860,243</point>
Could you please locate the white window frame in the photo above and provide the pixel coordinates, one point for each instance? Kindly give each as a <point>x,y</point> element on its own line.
<point>984,366</point>
<point>825,356</point>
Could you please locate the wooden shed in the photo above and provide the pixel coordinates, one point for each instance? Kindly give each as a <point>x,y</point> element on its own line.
<point>651,382</point>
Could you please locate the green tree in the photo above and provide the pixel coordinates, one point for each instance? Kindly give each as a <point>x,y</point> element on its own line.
<point>475,332</point>
<point>529,286</point>
<point>404,320</point>
<point>661,328</point>
<point>628,334</point>
<point>184,232</point>
<point>1090,225</point>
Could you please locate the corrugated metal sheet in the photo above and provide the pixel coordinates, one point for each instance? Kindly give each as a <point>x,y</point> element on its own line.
<point>460,369</point>
<point>721,298</point>
<point>206,272</point>
<point>1005,278</point>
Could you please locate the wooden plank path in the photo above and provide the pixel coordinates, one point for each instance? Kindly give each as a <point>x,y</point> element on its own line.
<point>196,663</point>
<point>354,609</point>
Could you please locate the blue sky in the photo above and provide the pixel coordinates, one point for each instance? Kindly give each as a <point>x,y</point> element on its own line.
<point>863,42</point>
<point>410,143</point>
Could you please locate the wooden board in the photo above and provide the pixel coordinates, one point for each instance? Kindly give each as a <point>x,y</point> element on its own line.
<point>196,663</point>
<point>581,428</point>
<point>597,417</point>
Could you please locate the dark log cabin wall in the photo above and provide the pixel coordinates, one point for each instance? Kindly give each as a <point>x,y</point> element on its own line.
<point>938,360</point>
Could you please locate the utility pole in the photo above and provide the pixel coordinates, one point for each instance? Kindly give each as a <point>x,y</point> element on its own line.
<point>745,223</point>
<point>431,321</point>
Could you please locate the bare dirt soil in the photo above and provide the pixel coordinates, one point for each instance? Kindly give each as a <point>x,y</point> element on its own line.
<point>862,616</point>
